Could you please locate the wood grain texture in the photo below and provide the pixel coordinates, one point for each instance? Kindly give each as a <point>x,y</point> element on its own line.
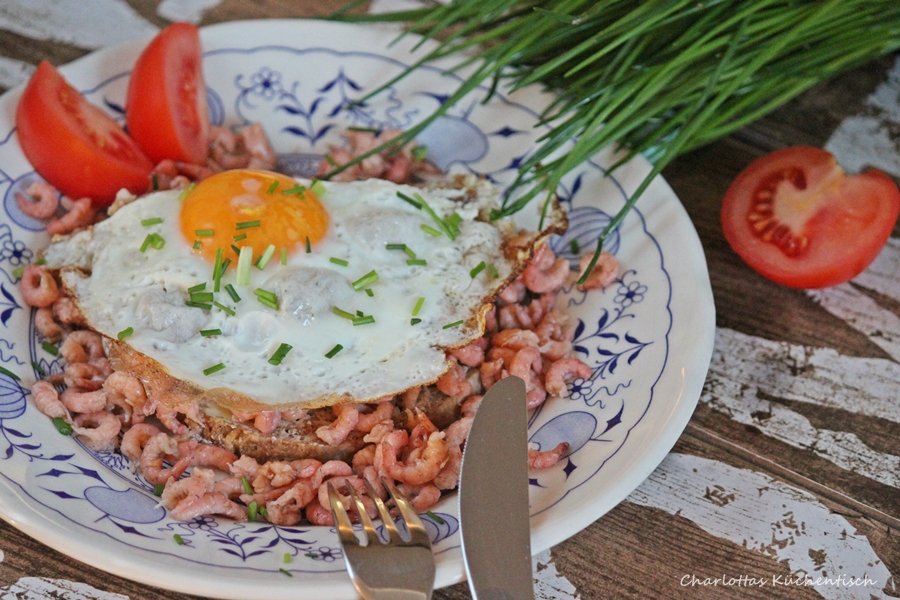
<point>638,550</point>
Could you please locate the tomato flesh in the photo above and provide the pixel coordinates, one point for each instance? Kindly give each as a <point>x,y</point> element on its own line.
<point>74,145</point>
<point>166,108</point>
<point>795,217</point>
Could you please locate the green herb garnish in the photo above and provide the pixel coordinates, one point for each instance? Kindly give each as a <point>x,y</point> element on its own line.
<point>50,348</point>
<point>232,292</point>
<point>178,539</point>
<point>12,375</point>
<point>477,269</point>
<point>62,426</point>
<point>204,232</point>
<point>213,369</point>
<point>365,281</point>
<point>247,224</point>
<point>331,353</point>
<point>125,333</point>
<point>151,221</point>
<point>279,354</point>
<point>210,332</point>
<point>338,261</point>
<point>453,324</point>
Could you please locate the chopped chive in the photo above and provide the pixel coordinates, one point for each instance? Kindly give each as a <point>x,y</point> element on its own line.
<point>187,190</point>
<point>228,311</point>
<point>204,232</point>
<point>267,298</point>
<point>12,375</point>
<point>296,190</point>
<point>362,129</point>
<point>267,255</point>
<point>453,324</point>
<point>416,262</point>
<point>225,264</point>
<point>308,246</point>
<point>410,253</point>
<point>338,261</point>
<point>342,313</point>
<point>283,252</point>
<point>245,261</point>
<point>247,224</point>
<point>213,369</point>
<point>435,518</point>
<point>287,558</point>
<point>430,230</point>
<point>317,188</point>
<point>153,240</point>
<point>178,539</point>
<point>420,153</point>
<point>158,489</point>
<point>395,246</point>
<point>197,288</point>
<point>245,485</point>
<point>333,352</point>
<point>365,281</point>
<point>449,226</point>
<point>415,321</point>
<point>235,249</point>
<point>18,272</point>
<point>125,333</point>
<point>272,187</point>
<point>418,306</point>
<point>279,354</point>
<point>239,237</point>
<point>477,269</point>
<point>363,320</point>
<point>330,160</point>
<point>154,182</point>
<point>410,200</point>
<point>263,512</point>
<point>151,221</point>
<point>453,221</point>
<point>232,292</point>
<point>38,369</point>
<point>252,510</point>
<point>202,297</point>
<point>573,245</point>
<point>50,348</point>
<point>197,244</point>
<point>217,270</point>
<point>210,332</point>
<point>370,293</point>
<point>492,271</point>
<point>194,304</point>
<point>286,572</point>
<point>62,426</point>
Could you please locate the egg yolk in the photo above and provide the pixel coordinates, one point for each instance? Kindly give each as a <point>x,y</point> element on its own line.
<point>251,208</point>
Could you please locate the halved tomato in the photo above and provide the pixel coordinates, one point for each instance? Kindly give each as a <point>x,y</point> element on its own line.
<point>74,145</point>
<point>796,218</point>
<point>166,108</point>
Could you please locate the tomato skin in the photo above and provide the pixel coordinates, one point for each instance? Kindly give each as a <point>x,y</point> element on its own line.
<point>166,108</point>
<point>74,145</point>
<point>833,224</point>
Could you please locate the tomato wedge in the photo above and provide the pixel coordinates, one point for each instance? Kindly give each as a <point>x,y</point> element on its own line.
<point>74,145</point>
<point>796,218</point>
<point>166,108</point>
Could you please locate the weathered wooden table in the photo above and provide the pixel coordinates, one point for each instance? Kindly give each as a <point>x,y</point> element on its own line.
<point>790,466</point>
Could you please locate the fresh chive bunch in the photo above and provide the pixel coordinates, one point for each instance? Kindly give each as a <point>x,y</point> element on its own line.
<point>658,77</point>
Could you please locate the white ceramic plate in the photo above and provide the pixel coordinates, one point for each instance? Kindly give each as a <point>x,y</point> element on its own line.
<point>648,336</point>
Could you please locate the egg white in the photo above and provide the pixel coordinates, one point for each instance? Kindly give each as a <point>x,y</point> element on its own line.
<point>119,287</point>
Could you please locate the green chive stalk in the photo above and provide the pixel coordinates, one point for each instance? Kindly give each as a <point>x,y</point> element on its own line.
<point>656,77</point>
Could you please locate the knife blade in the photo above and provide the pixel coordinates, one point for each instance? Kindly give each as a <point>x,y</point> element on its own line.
<point>493,497</point>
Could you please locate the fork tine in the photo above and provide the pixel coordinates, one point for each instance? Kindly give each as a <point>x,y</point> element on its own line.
<point>367,524</point>
<point>341,518</point>
<point>413,524</point>
<point>386,518</point>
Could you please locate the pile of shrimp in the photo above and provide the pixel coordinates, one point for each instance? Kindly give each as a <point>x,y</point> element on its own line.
<point>525,335</point>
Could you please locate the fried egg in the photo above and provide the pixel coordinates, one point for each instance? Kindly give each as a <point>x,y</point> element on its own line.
<point>288,292</point>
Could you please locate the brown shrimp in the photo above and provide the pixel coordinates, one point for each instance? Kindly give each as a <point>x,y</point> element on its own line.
<point>545,272</point>
<point>67,312</point>
<point>415,471</point>
<point>40,200</point>
<point>471,355</point>
<point>605,271</point>
<point>422,497</point>
<point>99,430</point>
<point>454,383</point>
<point>46,399</point>
<point>168,416</point>
<point>84,402</point>
<point>212,503</point>
<point>367,421</point>
<point>286,509</point>
<point>545,459</point>
<point>346,417</point>
<point>205,455</point>
<point>82,346</point>
<point>562,370</point>
<point>80,213</point>
<point>38,286</point>
<point>135,439</point>
<point>46,325</point>
<point>127,391</point>
<point>158,448</point>
<point>83,376</point>
<point>317,514</point>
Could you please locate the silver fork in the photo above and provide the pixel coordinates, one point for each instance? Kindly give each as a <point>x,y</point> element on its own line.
<point>401,568</point>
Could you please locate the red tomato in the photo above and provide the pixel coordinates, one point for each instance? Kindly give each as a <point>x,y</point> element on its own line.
<point>166,105</point>
<point>795,217</point>
<point>74,145</point>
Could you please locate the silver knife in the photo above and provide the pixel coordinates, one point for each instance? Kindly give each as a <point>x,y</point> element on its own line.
<point>493,497</point>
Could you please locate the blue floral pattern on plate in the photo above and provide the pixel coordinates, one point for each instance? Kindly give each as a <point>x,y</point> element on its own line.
<point>304,95</point>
